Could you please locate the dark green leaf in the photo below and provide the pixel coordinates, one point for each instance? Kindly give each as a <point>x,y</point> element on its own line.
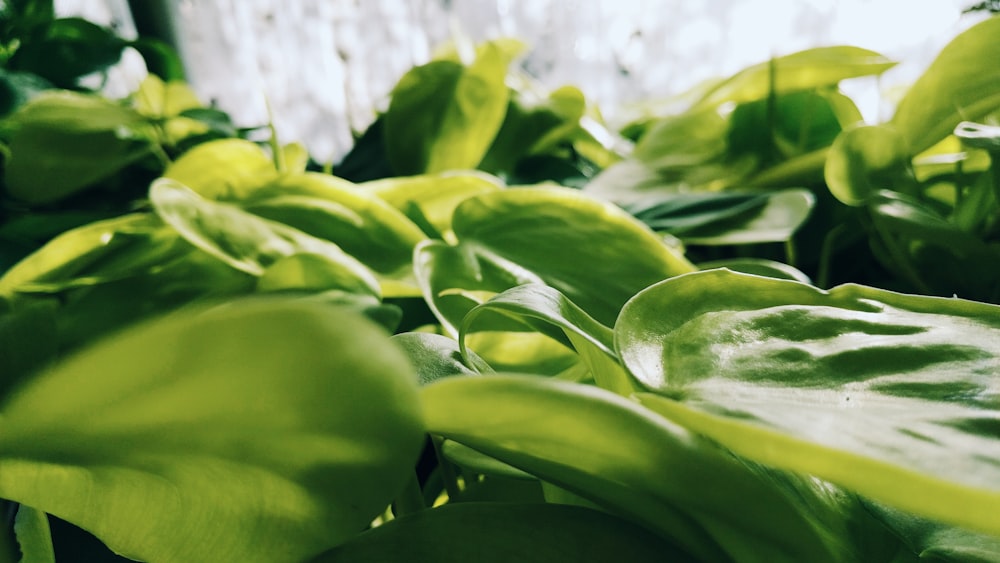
<point>782,214</point>
<point>64,142</point>
<point>501,533</point>
<point>611,451</point>
<point>864,160</point>
<point>812,68</point>
<point>246,242</point>
<point>66,50</point>
<point>434,356</point>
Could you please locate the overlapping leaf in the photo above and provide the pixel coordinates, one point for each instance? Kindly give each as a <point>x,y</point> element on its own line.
<point>265,431</point>
<point>880,392</point>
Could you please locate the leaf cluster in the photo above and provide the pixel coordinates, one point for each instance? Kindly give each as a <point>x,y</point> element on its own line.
<point>495,333</point>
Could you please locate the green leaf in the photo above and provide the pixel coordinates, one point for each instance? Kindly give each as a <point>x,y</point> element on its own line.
<point>625,458</point>
<point>501,532</point>
<point>435,195</point>
<point>534,125</point>
<point>935,541</point>
<point>67,49</point>
<point>63,142</point>
<point>434,356</point>
<point>804,70</point>
<point>864,160</point>
<point>96,253</point>
<point>759,267</point>
<point>444,115</point>
<point>454,279</point>
<point>549,312</point>
<point>594,253</point>
<point>782,214</point>
<point>204,436</point>
<point>246,242</point>
<point>27,342</point>
<point>16,88</point>
<point>961,84</point>
<point>362,224</point>
<point>879,392</point>
<point>32,529</point>
<point>161,59</point>
<point>226,169</point>
<point>676,213</point>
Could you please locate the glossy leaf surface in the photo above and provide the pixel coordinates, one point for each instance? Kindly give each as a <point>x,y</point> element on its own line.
<point>962,84</point>
<point>611,451</point>
<point>879,392</point>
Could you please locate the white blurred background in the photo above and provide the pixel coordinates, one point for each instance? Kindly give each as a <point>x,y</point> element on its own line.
<point>326,66</point>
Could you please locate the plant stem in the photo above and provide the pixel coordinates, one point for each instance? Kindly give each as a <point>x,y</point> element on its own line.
<point>411,499</point>
<point>447,471</point>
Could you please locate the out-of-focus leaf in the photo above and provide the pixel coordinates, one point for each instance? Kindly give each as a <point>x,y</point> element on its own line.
<point>676,213</point>
<point>502,532</point>
<point>534,126</point>
<point>782,214</point>
<point>362,224</point>
<point>63,142</point>
<point>613,452</point>
<point>864,160</point>
<point>67,49</point>
<point>962,84</point>
<point>16,88</point>
<point>594,253</point>
<point>96,253</point>
<point>247,242</point>
<point>254,431</point>
<point>444,115</point>
<point>435,195</point>
<point>28,342</point>
<point>812,68</point>
<point>935,541</point>
<point>879,392</point>
<point>226,169</point>
<point>434,356</point>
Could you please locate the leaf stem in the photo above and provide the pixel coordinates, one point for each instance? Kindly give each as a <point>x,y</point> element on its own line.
<point>448,475</point>
<point>411,499</point>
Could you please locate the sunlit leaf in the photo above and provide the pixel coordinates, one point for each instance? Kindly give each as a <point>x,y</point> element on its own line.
<point>609,450</point>
<point>244,241</point>
<point>879,392</point>
<point>961,84</point>
<point>864,160</point>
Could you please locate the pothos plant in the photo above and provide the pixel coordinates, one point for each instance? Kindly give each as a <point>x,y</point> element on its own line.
<point>259,361</point>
